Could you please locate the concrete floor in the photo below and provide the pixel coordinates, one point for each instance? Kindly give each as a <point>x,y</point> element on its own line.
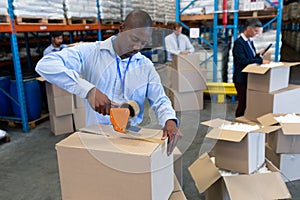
<point>28,164</point>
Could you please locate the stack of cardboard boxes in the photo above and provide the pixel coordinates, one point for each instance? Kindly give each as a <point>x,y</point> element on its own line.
<point>186,82</point>
<point>239,169</point>
<point>282,146</point>
<point>269,91</point>
<point>66,111</point>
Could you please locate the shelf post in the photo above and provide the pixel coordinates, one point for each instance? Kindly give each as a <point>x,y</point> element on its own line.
<point>17,67</point>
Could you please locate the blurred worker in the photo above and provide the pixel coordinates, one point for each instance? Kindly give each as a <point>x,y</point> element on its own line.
<point>56,45</point>
<point>178,43</point>
<point>244,53</point>
<point>112,72</point>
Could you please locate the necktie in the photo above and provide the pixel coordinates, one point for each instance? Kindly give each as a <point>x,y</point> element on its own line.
<point>177,40</point>
<point>250,45</point>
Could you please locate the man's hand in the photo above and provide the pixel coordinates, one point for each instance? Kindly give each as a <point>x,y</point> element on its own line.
<point>99,101</point>
<point>172,132</point>
<point>266,61</point>
<point>184,52</point>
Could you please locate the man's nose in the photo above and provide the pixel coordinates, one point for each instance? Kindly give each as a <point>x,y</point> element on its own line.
<point>137,46</point>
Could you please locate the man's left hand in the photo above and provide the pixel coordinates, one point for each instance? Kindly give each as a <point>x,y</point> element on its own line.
<point>172,132</point>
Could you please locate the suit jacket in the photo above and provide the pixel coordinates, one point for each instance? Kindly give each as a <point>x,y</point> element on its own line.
<point>243,56</point>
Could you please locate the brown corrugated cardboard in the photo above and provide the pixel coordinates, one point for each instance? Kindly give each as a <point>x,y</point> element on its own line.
<point>79,117</point>
<point>244,120</point>
<point>61,125</point>
<point>187,80</point>
<point>288,164</point>
<point>238,151</point>
<point>282,101</point>
<point>55,91</point>
<point>246,187</point>
<point>101,167</point>
<point>61,105</point>
<point>268,79</point>
<point>284,140</point>
<point>185,101</point>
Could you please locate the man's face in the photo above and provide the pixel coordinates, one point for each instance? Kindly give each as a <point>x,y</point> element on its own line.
<point>178,30</point>
<point>253,31</point>
<point>133,40</point>
<point>57,41</point>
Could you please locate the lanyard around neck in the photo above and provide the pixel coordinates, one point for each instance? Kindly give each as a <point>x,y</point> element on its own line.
<point>120,74</point>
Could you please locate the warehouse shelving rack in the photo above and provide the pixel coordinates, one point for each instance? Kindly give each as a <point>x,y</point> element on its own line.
<point>218,15</point>
<point>12,28</point>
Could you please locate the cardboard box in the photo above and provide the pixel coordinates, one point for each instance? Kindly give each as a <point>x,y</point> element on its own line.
<point>79,118</point>
<point>238,151</point>
<point>268,77</point>
<point>282,101</point>
<point>284,140</point>
<point>114,166</point>
<point>61,105</point>
<point>185,101</point>
<point>55,91</point>
<point>187,80</point>
<point>61,125</point>
<point>247,187</point>
<point>288,164</point>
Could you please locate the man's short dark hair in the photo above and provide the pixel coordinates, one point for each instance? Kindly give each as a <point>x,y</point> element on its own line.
<point>56,34</point>
<point>253,22</point>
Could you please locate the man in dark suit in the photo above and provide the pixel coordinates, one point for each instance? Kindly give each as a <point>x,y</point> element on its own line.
<point>244,53</point>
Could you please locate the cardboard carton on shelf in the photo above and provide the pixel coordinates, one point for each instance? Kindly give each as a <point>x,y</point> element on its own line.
<point>208,179</point>
<point>268,77</point>
<point>240,151</point>
<point>104,164</point>
<point>61,125</point>
<point>282,101</point>
<point>288,164</point>
<point>286,139</point>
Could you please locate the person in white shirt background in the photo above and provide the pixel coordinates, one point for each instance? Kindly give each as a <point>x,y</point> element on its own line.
<point>56,44</point>
<point>178,43</point>
<point>111,72</point>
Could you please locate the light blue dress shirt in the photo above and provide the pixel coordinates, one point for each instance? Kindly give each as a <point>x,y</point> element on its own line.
<point>80,68</point>
<point>51,48</point>
<point>174,48</point>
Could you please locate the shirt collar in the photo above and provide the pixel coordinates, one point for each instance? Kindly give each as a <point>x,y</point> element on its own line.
<point>245,38</point>
<point>108,45</point>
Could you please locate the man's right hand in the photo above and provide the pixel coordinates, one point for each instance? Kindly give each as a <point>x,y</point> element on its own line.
<point>99,101</point>
<point>265,61</point>
<point>184,52</point>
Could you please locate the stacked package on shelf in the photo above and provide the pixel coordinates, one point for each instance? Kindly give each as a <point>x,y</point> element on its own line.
<point>237,168</point>
<point>159,11</point>
<point>170,13</point>
<point>126,7</point>
<point>149,7</point>
<point>248,5</point>
<point>39,9</point>
<point>186,82</point>
<point>269,91</point>
<point>3,8</point>
<point>137,4</point>
<point>282,146</point>
<point>80,9</point>
<point>110,10</point>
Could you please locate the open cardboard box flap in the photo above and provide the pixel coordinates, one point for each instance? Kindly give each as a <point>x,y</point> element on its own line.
<point>257,69</point>
<point>287,128</point>
<point>228,135</point>
<point>246,187</point>
<point>204,172</point>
